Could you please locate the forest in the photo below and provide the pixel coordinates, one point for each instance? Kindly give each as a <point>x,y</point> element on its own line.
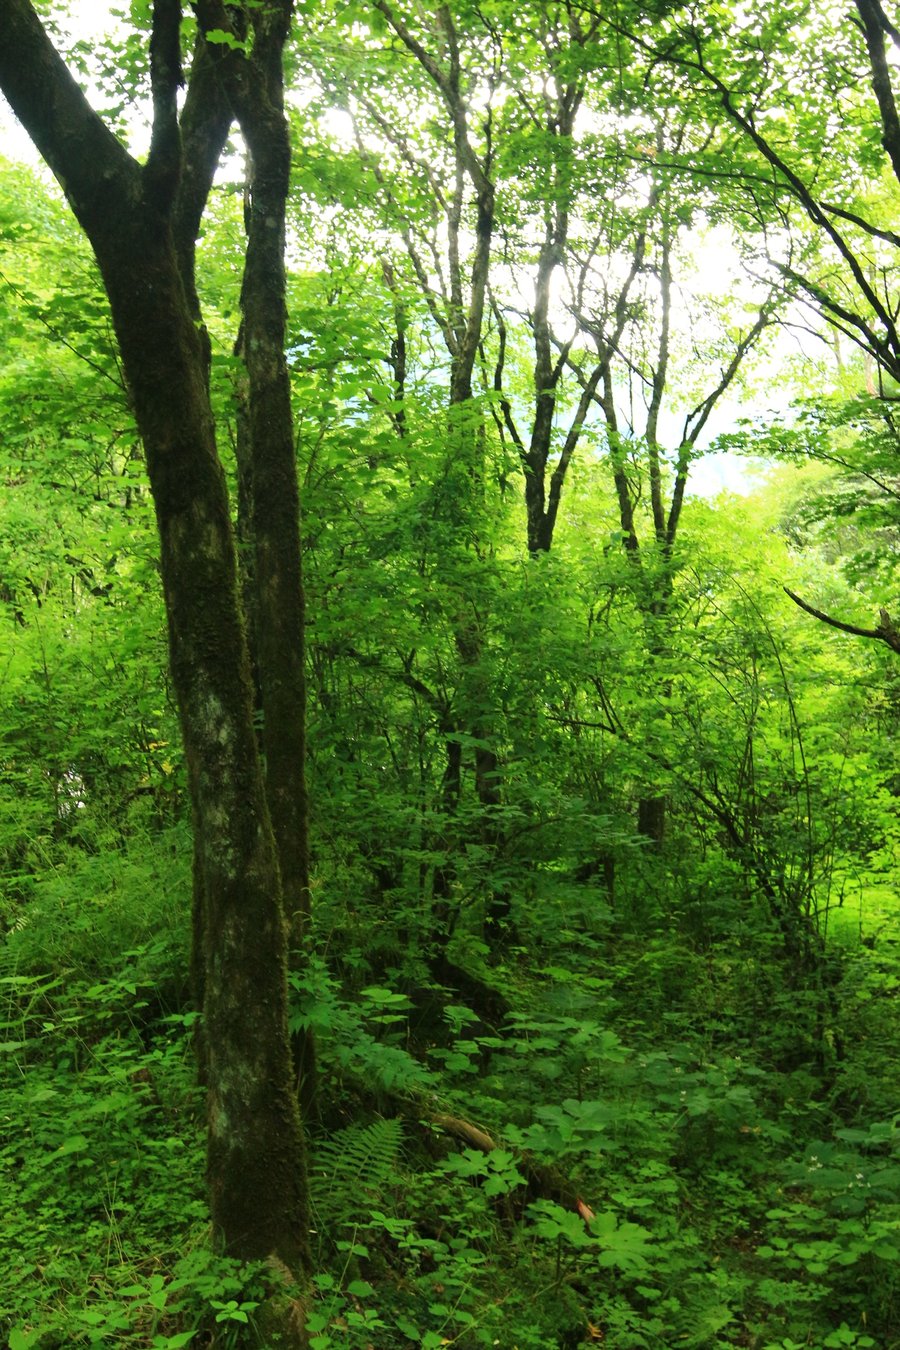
<point>449,675</point>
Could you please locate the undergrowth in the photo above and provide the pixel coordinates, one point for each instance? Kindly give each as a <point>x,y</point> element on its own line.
<point>713,1181</point>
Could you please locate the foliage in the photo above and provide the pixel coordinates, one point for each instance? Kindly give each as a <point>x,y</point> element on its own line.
<point>578,1084</point>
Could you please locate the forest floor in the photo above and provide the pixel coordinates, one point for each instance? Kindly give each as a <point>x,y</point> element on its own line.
<point>675,1138</point>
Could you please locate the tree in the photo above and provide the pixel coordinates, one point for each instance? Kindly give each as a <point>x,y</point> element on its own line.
<point>142,222</point>
<point>794,97</point>
<point>655,1023</point>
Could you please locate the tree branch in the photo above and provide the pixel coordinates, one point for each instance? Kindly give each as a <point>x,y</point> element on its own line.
<point>94,170</point>
<point>163,167</point>
<point>886,631</point>
<point>205,122</point>
<point>875,26</point>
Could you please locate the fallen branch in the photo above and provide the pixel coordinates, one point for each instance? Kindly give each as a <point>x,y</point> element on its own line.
<point>545,1182</point>
<point>463,1129</point>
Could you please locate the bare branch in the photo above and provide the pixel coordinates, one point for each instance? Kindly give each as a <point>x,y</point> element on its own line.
<point>886,631</point>
<point>698,417</point>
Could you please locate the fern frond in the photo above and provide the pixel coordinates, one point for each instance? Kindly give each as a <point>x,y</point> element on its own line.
<point>358,1158</point>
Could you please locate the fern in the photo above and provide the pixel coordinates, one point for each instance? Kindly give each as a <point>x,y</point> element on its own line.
<point>360,1158</point>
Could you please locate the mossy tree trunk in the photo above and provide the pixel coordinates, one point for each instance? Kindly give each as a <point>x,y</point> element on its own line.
<point>141,222</point>
<point>256,91</point>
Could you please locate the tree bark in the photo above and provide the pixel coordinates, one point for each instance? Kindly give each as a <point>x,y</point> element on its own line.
<point>257,92</point>
<point>255,1149</point>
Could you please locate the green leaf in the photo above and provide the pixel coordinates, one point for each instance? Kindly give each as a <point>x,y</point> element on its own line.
<point>76,1143</point>
<point>220,37</point>
<point>24,1340</point>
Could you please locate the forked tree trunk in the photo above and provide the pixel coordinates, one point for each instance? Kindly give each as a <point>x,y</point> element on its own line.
<point>255,1149</point>
<point>255,1145</point>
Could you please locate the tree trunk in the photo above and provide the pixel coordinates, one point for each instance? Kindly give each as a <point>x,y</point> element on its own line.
<point>273,489</point>
<point>651,820</point>
<point>255,1147</point>
<point>255,1153</point>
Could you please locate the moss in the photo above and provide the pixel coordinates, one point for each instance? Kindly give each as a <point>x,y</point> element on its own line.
<point>280,1320</point>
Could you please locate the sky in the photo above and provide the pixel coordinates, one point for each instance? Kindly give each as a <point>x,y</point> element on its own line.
<point>15,143</point>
